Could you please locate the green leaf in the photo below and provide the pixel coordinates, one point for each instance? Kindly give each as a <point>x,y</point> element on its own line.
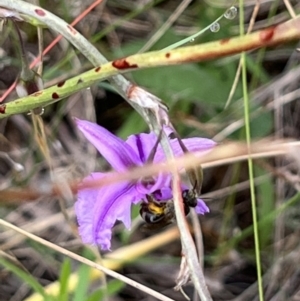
<point>26,277</point>
<point>262,125</point>
<point>83,283</point>
<point>133,124</point>
<point>257,70</point>
<point>96,295</point>
<point>265,206</point>
<point>205,84</point>
<point>112,288</point>
<point>64,280</point>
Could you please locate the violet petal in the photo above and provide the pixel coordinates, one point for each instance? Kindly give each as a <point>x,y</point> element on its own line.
<point>163,194</point>
<point>118,154</point>
<point>114,203</point>
<point>201,207</point>
<point>84,208</point>
<point>155,183</point>
<point>142,144</point>
<point>199,146</point>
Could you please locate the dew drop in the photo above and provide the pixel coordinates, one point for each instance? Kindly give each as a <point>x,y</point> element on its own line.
<point>215,27</point>
<point>231,13</point>
<point>38,111</point>
<point>42,110</point>
<point>192,40</point>
<point>19,168</point>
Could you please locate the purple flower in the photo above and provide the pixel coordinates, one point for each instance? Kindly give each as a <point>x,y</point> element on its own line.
<point>98,209</point>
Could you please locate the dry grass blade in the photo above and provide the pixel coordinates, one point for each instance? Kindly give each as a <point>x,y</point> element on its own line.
<point>221,155</point>
<point>92,264</point>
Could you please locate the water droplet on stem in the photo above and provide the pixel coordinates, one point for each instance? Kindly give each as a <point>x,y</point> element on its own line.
<point>42,111</point>
<point>231,13</point>
<point>215,27</point>
<point>38,111</point>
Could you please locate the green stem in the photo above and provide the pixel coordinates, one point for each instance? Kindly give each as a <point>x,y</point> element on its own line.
<point>250,162</point>
<point>83,45</point>
<point>267,37</point>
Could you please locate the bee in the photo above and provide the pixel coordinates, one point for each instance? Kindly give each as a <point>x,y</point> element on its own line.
<point>189,197</point>
<point>158,214</point>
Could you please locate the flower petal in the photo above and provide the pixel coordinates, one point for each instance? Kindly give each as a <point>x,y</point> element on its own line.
<point>199,146</point>
<point>194,144</point>
<point>142,144</point>
<point>119,154</point>
<point>112,205</point>
<point>148,186</point>
<point>84,208</point>
<point>163,194</point>
<point>201,207</point>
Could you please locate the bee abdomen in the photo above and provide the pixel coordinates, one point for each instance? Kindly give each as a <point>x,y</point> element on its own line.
<point>149,216</point>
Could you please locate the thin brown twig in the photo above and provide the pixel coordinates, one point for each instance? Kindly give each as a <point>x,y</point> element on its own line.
<point>221,155</point>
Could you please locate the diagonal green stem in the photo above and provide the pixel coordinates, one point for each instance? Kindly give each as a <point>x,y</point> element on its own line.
<point>250,161</point>
<point>267,37</point>
<point>73,36</point>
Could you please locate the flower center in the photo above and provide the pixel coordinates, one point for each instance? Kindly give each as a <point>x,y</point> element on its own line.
<point>148,182</point>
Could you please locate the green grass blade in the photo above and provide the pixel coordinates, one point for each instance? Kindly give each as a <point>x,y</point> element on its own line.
<point>64,280</point>
<point>250,161</point>
<point>27,278</point>
<point>113,287</point>
<point>80,292</point>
